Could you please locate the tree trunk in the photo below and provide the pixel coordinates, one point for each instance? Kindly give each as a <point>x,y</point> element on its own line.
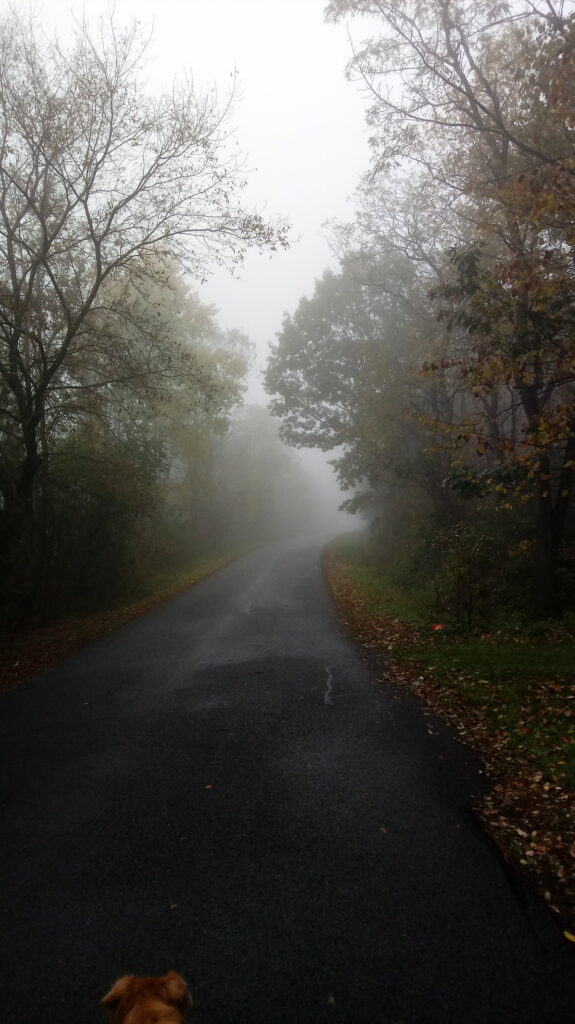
<point>19,546</point>
<point>552,516</point>
<point>546,596</point>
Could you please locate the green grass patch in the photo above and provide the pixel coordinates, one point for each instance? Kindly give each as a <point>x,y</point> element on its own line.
<point>382,594</point>
<point>496,660</point>
<point>524,691</point>
<point>522,685</point>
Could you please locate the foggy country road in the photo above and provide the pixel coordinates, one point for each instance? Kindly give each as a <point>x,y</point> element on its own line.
<point>223,788</point>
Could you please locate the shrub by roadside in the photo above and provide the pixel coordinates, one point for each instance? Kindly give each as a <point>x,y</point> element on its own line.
<point>514,702</point>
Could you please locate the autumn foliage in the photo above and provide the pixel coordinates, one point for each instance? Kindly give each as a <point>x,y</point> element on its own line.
<point>440,363</point>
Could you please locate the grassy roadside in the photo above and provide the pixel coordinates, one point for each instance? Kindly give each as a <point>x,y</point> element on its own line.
<point>512,697</point>
<point>27,652</point>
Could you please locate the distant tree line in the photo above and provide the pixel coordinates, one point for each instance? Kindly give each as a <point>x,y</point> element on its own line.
<point>440,360</point>
<point>119,395</point>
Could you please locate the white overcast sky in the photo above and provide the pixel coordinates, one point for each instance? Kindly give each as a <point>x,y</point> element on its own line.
<point>300,123</point>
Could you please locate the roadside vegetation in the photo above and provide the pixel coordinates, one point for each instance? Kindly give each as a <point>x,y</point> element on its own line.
<point>438,362</point>
<point>509,692</point>
<point>127,457</point>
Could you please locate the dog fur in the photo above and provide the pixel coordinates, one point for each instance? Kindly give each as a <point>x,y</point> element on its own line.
<point>162,1000</point>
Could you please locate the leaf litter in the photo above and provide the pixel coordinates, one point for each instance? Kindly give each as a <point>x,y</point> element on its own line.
<point>529,810</point>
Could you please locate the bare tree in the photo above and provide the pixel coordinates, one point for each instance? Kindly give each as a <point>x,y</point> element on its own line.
<point>96,175</point>
<point>449,65</point>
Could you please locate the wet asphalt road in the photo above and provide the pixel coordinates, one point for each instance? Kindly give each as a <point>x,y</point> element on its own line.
<point>224,788</point>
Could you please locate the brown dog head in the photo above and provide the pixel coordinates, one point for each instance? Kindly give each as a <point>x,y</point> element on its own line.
<point>148,1000</point>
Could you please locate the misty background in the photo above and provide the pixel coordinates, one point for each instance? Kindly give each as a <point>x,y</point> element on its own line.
<point>301,129</point>
<point>137,439</point>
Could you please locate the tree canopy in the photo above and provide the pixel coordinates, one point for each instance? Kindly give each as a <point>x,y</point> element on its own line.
<point>109,195</point>
<point>470,192</point>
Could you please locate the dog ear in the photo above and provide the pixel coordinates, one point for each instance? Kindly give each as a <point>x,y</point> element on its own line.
<point>118,998</point>
<point>177,990</point>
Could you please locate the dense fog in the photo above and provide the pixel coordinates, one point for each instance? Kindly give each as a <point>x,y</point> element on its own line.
<point>421,340</point>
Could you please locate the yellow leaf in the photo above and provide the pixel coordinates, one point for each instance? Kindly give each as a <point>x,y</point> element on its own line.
<point>569,936</point>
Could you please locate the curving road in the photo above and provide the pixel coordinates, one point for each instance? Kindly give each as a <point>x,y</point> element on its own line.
<point>224,788</point>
